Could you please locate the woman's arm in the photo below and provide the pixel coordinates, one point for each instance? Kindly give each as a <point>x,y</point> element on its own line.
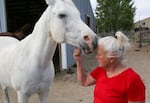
<point>85,80</point>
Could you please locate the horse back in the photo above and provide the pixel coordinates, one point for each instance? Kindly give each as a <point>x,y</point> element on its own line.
<point>6,41</point>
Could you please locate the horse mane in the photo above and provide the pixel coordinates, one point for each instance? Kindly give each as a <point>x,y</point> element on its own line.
<point>9,34</point>
<point>20,33</point>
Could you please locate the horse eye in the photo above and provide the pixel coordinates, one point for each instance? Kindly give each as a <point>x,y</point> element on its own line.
<point>62,16</point>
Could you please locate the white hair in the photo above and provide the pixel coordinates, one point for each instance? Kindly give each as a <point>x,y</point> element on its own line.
<point>115,46</point>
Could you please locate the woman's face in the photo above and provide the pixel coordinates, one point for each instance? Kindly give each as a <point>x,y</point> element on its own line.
<point>101,57</point>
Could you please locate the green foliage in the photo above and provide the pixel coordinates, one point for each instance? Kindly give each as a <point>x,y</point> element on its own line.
<point>113,15</point>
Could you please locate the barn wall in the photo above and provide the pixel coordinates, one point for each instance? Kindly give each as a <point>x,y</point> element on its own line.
<point>84,6</point>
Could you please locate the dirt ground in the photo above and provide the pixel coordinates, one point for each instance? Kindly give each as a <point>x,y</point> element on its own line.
<point>66,88</point>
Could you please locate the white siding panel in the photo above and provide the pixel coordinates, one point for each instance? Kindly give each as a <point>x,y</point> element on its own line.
<point>64,56</point>
<point>3,27</point>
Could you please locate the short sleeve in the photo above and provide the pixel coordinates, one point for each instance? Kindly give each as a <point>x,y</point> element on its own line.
<point>136,90</point>
<point>95,73</point>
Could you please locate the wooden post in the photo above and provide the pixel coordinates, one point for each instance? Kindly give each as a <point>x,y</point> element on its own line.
<point>140,36</point>
<point>140,40</point>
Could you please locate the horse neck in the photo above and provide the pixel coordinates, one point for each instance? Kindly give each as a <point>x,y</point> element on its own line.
<point>41,45</point>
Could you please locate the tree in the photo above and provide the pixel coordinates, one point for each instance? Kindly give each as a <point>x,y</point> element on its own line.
<point>113,15</point>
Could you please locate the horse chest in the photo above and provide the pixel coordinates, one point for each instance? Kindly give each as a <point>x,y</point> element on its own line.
<point>38,82</point>
<point>33,80</point>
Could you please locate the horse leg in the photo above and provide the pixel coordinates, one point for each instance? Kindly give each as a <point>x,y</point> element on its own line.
<point>44,96</point>
<point>5,91</point>
<point>22,98</point>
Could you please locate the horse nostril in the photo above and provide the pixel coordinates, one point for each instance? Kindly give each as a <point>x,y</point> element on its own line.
<point>87,38</point>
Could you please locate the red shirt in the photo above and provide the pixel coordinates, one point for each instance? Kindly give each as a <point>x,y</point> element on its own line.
<point>124,87</point>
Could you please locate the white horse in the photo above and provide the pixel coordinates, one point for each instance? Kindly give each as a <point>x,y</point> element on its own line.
<point>27,66</point>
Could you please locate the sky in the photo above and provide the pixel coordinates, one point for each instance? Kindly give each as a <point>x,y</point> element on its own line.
<point>142,9</point>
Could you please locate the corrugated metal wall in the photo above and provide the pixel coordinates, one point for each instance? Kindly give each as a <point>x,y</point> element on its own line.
<point>85,9</point>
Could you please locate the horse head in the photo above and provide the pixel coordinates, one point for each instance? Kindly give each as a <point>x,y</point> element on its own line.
<point>66,26</point>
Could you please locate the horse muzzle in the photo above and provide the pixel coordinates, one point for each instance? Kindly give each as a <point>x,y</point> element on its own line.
<point>89,44</point>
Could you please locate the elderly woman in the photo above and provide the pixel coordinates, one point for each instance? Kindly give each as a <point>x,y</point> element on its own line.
<point>114,82</point>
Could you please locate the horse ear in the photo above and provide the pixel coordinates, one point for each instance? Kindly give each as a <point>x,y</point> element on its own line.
<point>49,2</point>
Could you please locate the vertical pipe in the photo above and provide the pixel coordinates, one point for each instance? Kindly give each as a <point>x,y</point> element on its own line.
<point>3,22</point>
